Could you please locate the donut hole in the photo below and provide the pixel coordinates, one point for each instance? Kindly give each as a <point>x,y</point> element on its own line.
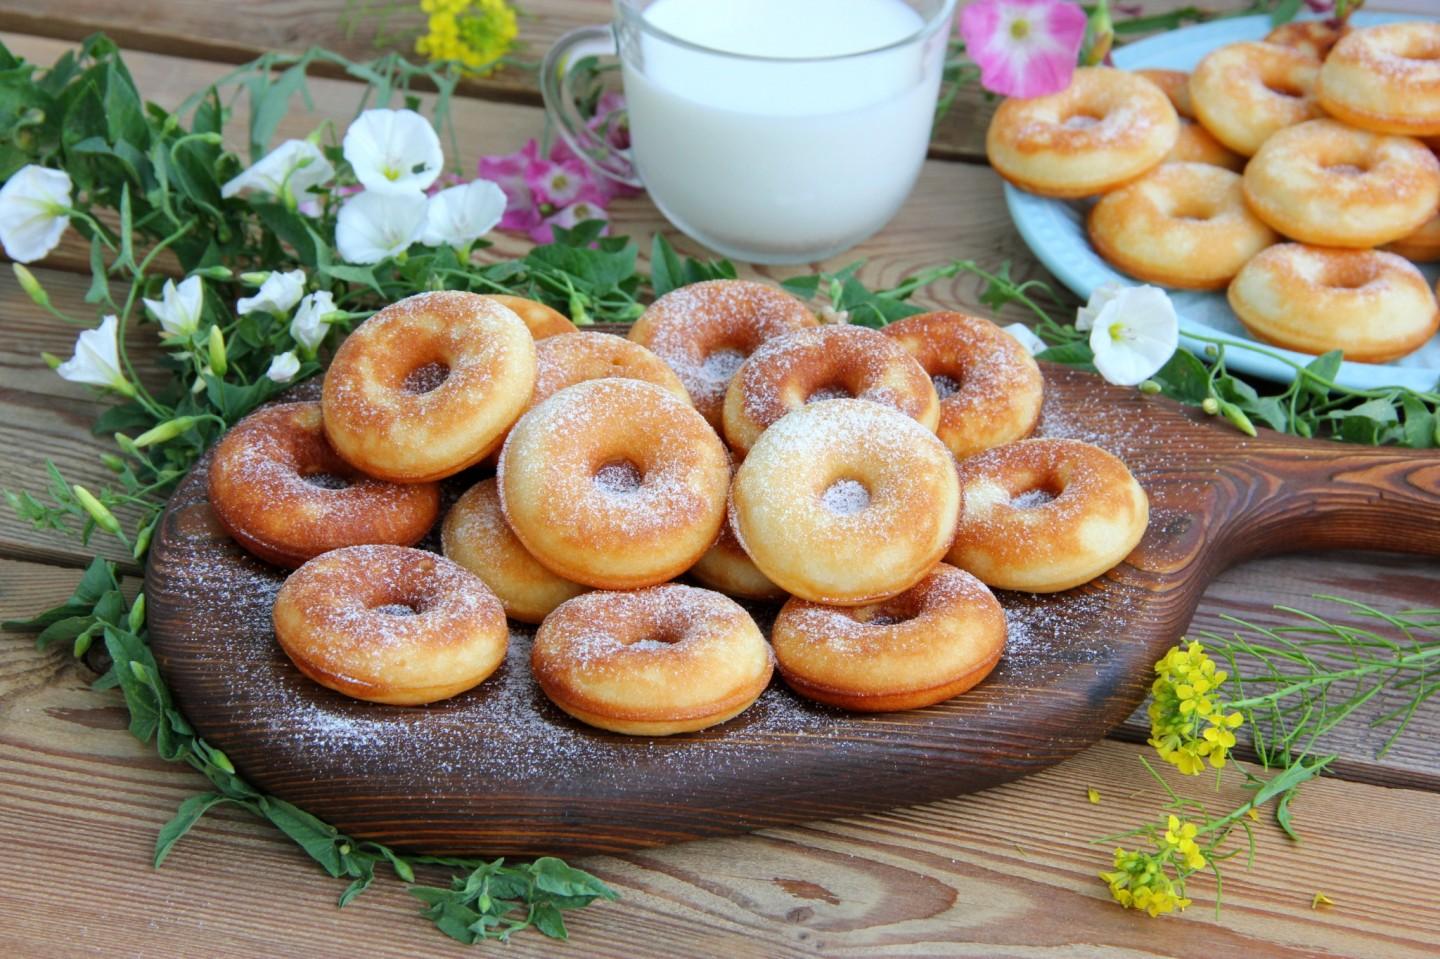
<point>396,609</point>
<point>1081,119</point>
<point>1033,498</point>
<point>829,391</point>
<point>425,377</point>
<point>845,497</point>
<point>660,637</point>
<point>1194,208</point>
<point>324,480</point>
<point>946,384</point>
<point>619,477</point>
<point>1350,274</point>
<point>721,364</point>
<point>1347,169</point>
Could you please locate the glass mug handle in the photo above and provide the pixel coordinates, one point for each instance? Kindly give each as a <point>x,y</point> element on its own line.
<point>559,99</point>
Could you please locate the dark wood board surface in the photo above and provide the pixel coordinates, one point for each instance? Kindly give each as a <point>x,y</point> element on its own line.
<point>499,770</point>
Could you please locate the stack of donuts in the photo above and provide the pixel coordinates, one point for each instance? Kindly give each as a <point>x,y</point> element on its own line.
<point>876,483</point>
<point>1300,172</point>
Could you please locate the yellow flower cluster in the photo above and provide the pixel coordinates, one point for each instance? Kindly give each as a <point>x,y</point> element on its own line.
<point>1186,727</point>
<point>1143,880</point>
<point>475,33</point>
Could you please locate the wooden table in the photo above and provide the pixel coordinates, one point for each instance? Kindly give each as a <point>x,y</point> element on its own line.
<point>1007,872</point>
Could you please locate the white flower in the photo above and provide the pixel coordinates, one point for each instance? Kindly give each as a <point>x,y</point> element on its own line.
<point>293,167</point>
<point>178,309</point>
<point>308,327</point>
<point>1104,293</point>
<point>1032,343</point>
<point>393,151</point>
<point>462,214</point>
<point>97,359</point>
<point>374,226</point>
<point>277,295</point>
<point>34,211</point>
<point>284,367</point>
<point>1135,333</point>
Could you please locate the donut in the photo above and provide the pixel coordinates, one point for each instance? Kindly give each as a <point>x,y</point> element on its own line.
<point>1044,515</point>
<point>541,320</point>
<point>614,483</point>
<point>705,330</point>
<point>284,495</point>
<point>728,568</point>
<point>562,361</point>
<point>1244,92</point>
<point>1180,225</point>
<point>1422,246</point>
<point>653,662</point>
<point>384,413</point>
<point>989,386</point>
<point>390,624</point>
<point>1107,127</point>
<point>1372,306</point>
<point>1312,37</point>
<point>1324,183</point>
<point>845,502</point>
<point>476,536</point>
<point>825,362</point>
<point>1195,143</point>
<point>930,643</point>
<point>1385,78</point>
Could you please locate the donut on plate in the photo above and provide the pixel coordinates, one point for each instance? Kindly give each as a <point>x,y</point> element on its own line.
<point>653,662</point>
<point>476,536</point>
<point>1107,127</point>
<point>825,362</point>
<point>1372,306</point>
<point>705,330</point>
<point>1181,225</point>
<point>542,321</point>
<point>845,502</point>
<point>1045,515</point>
<point>1386,78</point>
<point>1244,92</point>
<point>284,495</point>
<point>1328,184</point>
<point>1195,143</point>
<point>1312,37</point>
<point>930,643</point>
<point>386,415</point>
<point>614,483</point>
<point>389,624</point>
<point>989,385</point>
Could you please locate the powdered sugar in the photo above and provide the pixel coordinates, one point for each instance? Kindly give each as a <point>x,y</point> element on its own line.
<point>845,497</point>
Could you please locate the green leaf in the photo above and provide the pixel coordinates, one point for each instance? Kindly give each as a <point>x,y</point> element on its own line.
<point>548,920</point>
<point>561,879</point>
<point>1420,423</point>
<point>63,631</point>
<point>1284,11</point>
<point>1182,378</point>
<point>805,287</point>
<point>315,836</point>
<point>358,886</point>
<point>1327,367</point>
<point>185,817</point>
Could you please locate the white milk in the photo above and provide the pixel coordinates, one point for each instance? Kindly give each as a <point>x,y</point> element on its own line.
<point>780,159</point>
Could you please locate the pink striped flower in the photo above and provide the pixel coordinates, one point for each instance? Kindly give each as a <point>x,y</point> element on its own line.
<point>1025,48</point>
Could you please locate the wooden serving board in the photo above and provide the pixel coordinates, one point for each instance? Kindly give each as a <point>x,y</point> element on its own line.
<point>499,770</point>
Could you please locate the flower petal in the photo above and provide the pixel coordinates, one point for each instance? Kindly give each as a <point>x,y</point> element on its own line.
<point>393,151</point>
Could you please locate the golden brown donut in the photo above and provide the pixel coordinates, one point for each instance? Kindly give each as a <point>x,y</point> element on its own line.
<point>728,568</point>
<point>990,387</point>
<point>476,536</point>
<point>390,624</point>
<point>931,643</point>
<point>1181,225</point>
<point>1372,306</point>
<point>614,483</point>
<point>1244,92</point>
<point>826,362</point>
<point>542,321</point>
<point>380,416</point>
<point>1044,515</point>
<point>1107,127</point>
<point>845,502</point>
<point>653,662</point>
<point>1312,37</point>
<point>1195,143</point>
<point>1328,184</point>
<point>1385,78</point>
<point>283,494</point>
<point>1422,246</point>
<point>705,330</point>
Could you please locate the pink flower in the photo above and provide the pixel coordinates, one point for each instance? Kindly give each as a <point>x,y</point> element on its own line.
<point>508,171</point>
<point>558,184</point>
<point>1025,48</point>
<point>586,207</point>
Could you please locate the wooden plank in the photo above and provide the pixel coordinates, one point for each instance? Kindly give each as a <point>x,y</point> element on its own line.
<point>1006,872</point>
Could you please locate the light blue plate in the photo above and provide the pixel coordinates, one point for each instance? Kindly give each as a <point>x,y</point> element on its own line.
<point>1055,230</point>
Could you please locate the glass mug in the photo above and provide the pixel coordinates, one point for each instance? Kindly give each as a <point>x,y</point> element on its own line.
<point>787,153</point>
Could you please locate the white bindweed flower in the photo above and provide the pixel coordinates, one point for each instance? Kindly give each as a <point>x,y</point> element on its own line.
<point>178,309</point>
<point>34,211</point>
<point>308,328</point>
<point>97,359</point>
<point>1032,343</point>
<point>393,151</point>
<point>284,367</point>
<point>463,214</point>
<point>1135,333</point>
<point>1104,293</point>
<point>278,294</point>
<point>288,171</point>
<point>375,226</point>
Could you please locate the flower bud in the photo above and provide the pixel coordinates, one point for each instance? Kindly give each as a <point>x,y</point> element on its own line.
<point>127,445</point>
<point>112,462</point>
<point>98,511</point>
<point>142,541</point>
<point>1211,405</point>
<point>138,668</point>
<point>255,279</point>
<point>51,360</point>
<point>1237,418</point>
<point>83,643</point>
<point>137,614</point>
<point>30,285</point>
<point>218,362</point>
<point>1149,387</point>
<point>222,761</point>
<point>166,431</point>
<point>216,273</point>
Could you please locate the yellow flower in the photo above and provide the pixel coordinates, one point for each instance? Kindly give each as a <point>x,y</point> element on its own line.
<point>1140,881</point>
<point>474,33</point>
<point>1180,836</point>
<point>1186,728</point>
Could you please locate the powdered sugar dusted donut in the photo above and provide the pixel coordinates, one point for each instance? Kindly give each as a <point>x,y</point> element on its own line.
<point>1244,92</point>
<point>930,643</point>
<point>542,321</point>
<point>653,662</point>
<point>728,568</point>
<point>1386,78</point>
<point>1195,143</point>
